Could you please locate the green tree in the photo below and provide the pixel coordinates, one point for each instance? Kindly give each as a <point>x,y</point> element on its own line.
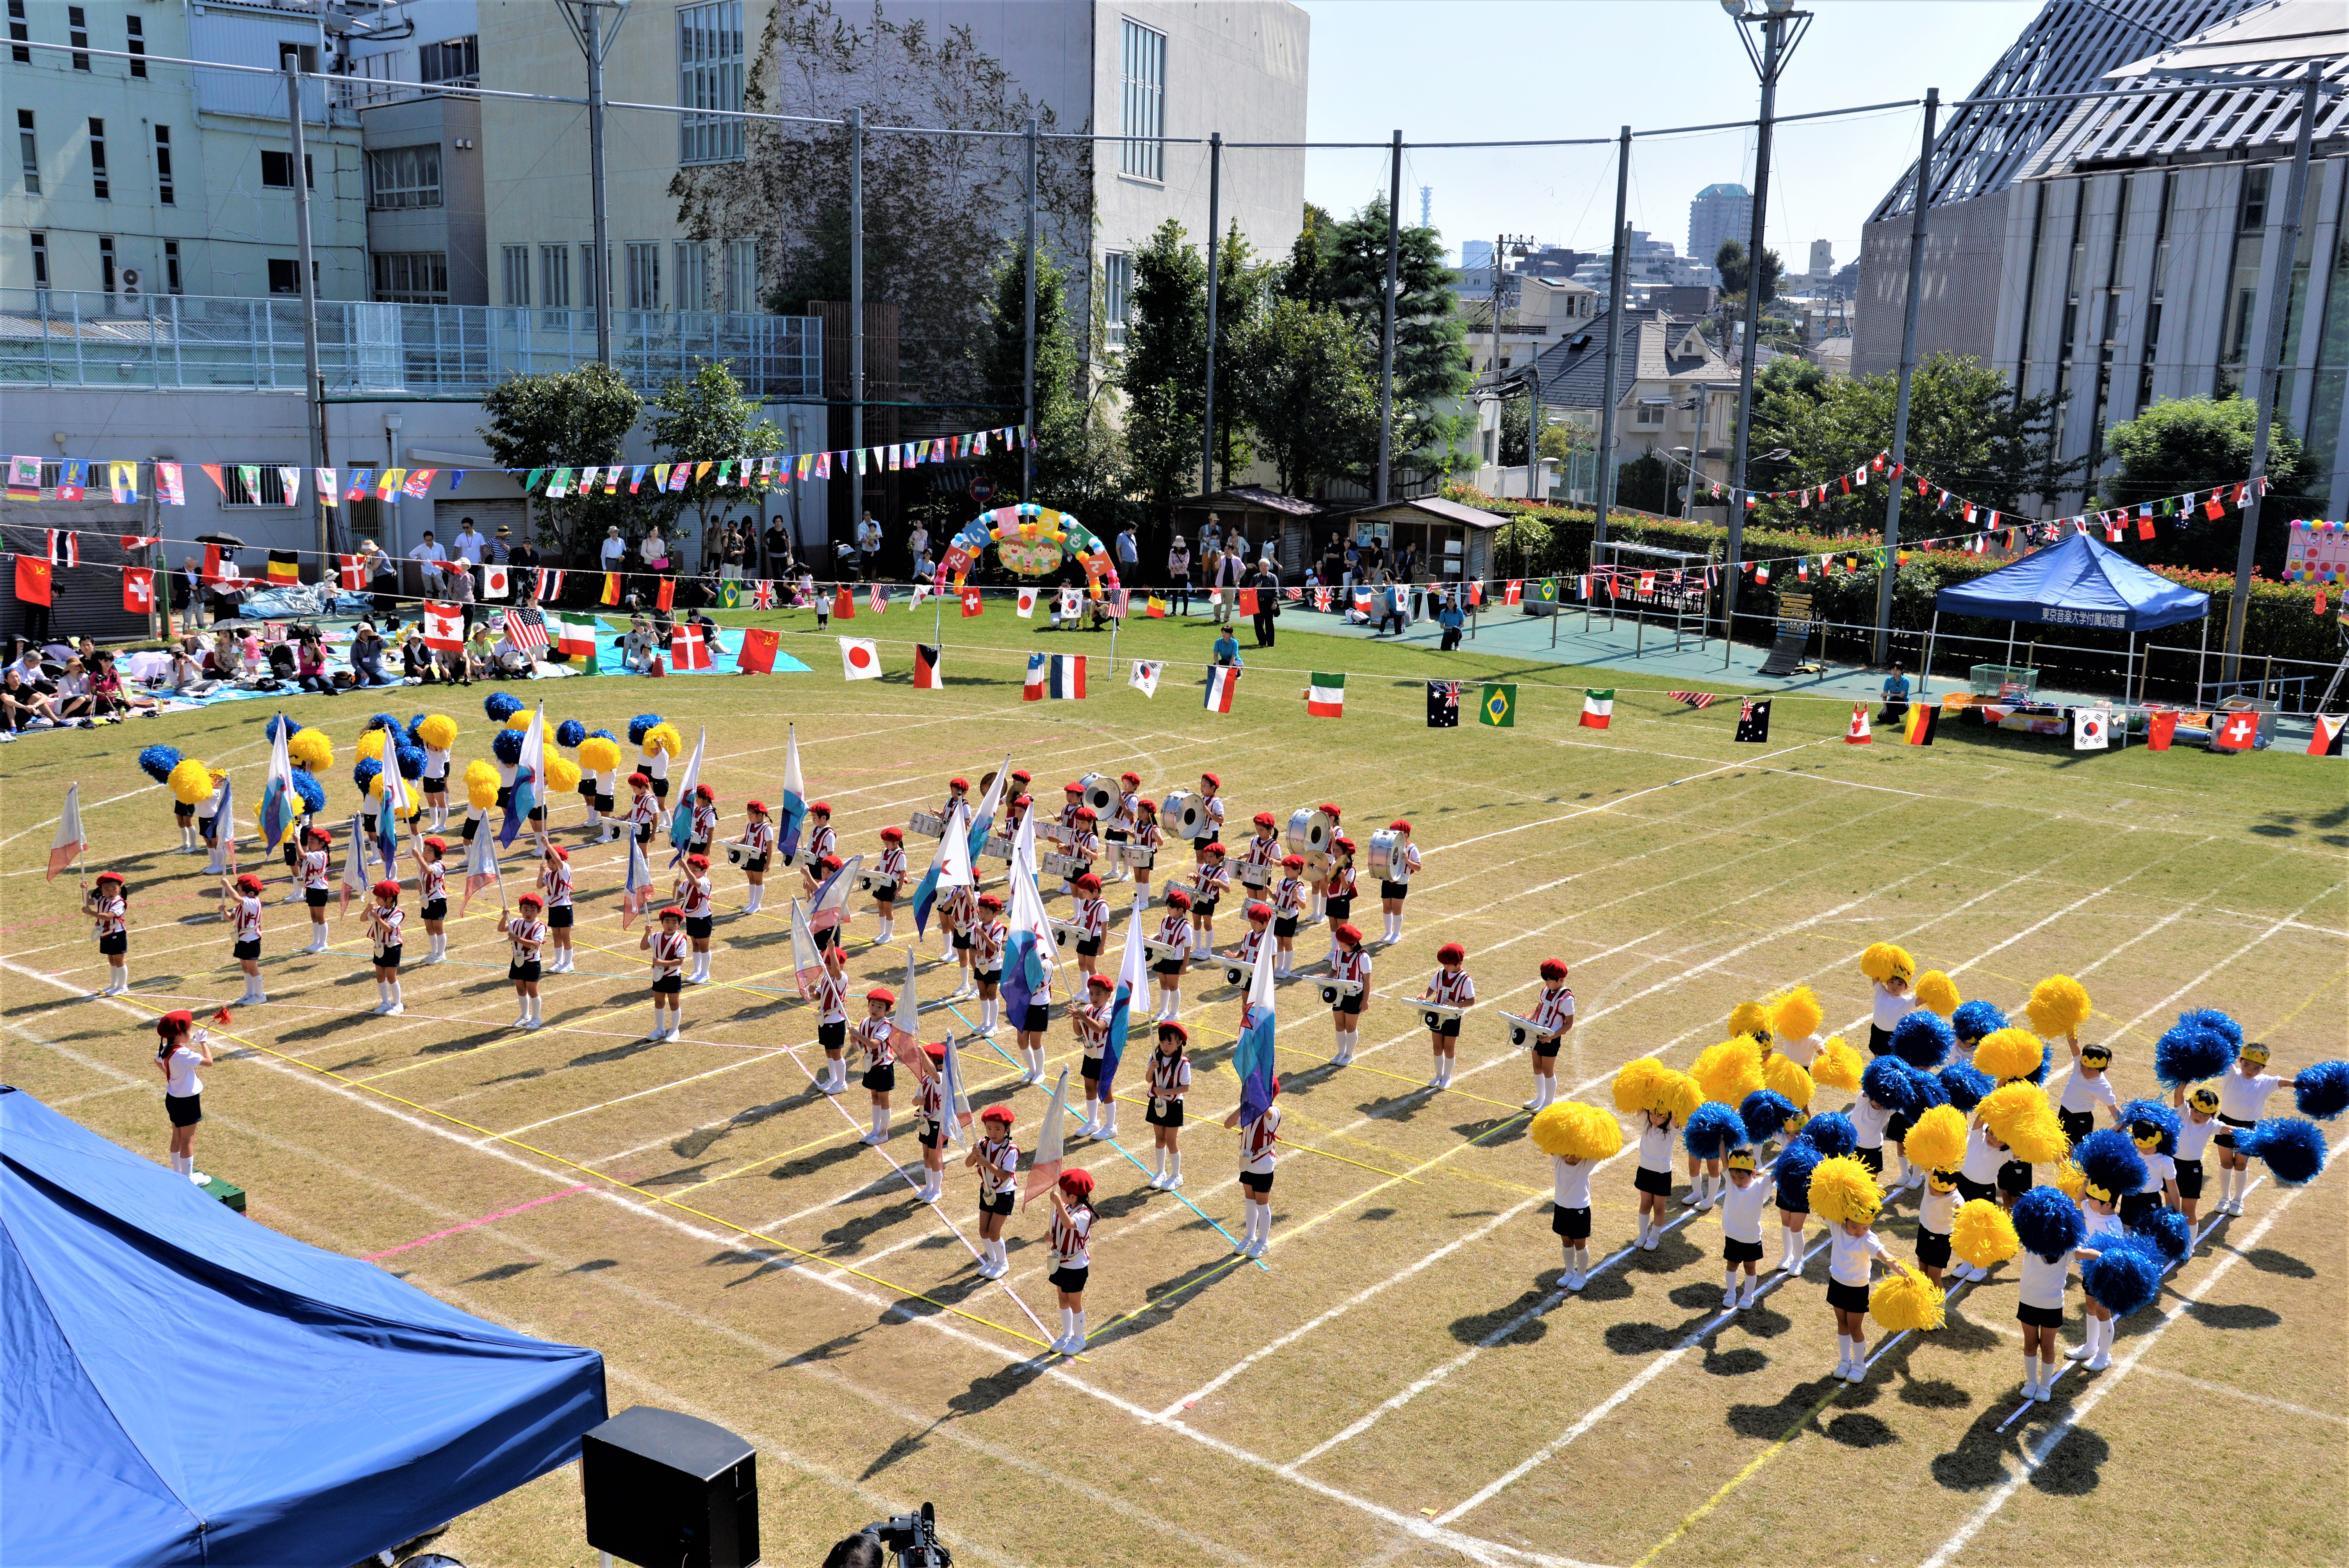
<point>1645,483</point>
<point>1431,365</point>
<point>2182,444</point>
<point>1240,277</point>
<point>1306,273</point>
<point>1307,381</point>
<point>706,417</point>
<point>564,418</point>
<point>1730,263</point>
<point>1062,408</point>
<point>1164,372</point>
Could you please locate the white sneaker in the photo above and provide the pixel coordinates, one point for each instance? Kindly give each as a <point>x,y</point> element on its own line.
<point>1075,1345</point>
<point>1753,1294</point>
<point>395,1010</point>
<point>874,1139</point>
<point>432,958</point>
<point>536,1023</point>
<point>1242,1247</point>
<point>1174,1183</point>
<point>2044,1392</point>
<point>1688,1199</point>
<point>1729,1300</point>
<point>200,1178</point>
<point>1573,1280</point>
<point>1158,1179</point>
<point>521,1022</point>
<point>697,979</point>
<point>826,1085</point>
<point>1534,1104</point>
<point>2078,1353</point>
<point>1648,1244</point>
<point>2098,1362</point>
<point>1254,1249</point>
<point>1858,1373</point>
<point>1842,1370</point>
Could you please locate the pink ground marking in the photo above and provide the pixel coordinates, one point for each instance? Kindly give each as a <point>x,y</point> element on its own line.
<point>474,1224</point>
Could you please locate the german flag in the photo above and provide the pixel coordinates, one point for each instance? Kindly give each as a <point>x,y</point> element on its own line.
<point>611,588</point>
<point>284,566</point>
<point>1917,724</point>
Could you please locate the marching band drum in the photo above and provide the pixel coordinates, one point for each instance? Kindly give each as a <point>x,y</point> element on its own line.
<point>1166,952</point>
<point>924,823</point>
<point>1055,864</point>
<point>1065,935</point>
<point>1309,832</point>
<point>737,852</point>
<point>1436,1014</point>
<point>1101,793</point>
<point>1134,857</point>
<point>1387,861</point>
<point>1521,1030</point>
<point>1185,814</point>
<point>1332,990</point>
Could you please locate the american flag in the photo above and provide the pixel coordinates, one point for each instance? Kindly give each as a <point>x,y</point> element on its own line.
<point>1693,698</point>
<point>526,630</point>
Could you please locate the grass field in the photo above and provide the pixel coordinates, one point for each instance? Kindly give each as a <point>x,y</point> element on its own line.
<point>1405,1383</point>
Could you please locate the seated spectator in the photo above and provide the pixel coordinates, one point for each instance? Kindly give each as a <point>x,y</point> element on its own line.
<point>22,706</point>
<point>115,696</point>
<point>480,654</point>
<point>310,669</point>
<point>366,658</point>
<point>637,648</point>
<point>30,671</point>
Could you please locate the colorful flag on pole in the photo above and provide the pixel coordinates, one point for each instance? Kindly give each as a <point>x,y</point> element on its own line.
<point>1044,1164</point>
<point>795,811</point>
<point>1028,946</point>
<point>859,659</point>
<point>831,908</point>
<point>1498,706</point>
<point>1918,724</point>
<point>1145,675</point>
<point>807,958</point>
<point>1444,705</point>
<point>481,869</point>
<point>949,868</point>
<point>680,820</point>
<point>637,889</point>
<point>353,882</point>
<point>757,652</point>
<point>70,841</point>
<point>1133,981</point>
<point>926,667</point>
<point>281,803</point>
<point>1252,1053</point>
<point>529,791</point>
<point>1325,698</point>
<point>1859,734</point>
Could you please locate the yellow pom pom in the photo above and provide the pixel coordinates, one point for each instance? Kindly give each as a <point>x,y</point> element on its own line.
<point>562,773</point>
<point>370,746</point>
<point>1635,1084</point>
<point>518,719</point>
<point>2069,1179</point>
<point>311,748</point>
<point>375,788</point>
<point>665,738</point>
<point>1731,1070</point>
<point>1794,1013</point>
<point>2058,1006</point>
<point>1838,1065</point>
<point>1573,1130</point>
<point>1843,1190</point>
<point>1906,1300</point>
<point>1749,1018</point>
<point>1784,1074</point>
<point>2018,1116</point>
<point>483,795</point>
<point>481,771</point>
<point>190,781</point>
<point>1936,1140</point>
<point>1938,992</point>
<point>438,731</point>
<point>2007,1055</point>
<point>598,755</point>
<point>1884,962</point>
<point>1983,1235</point>
<point>1677,1095</point>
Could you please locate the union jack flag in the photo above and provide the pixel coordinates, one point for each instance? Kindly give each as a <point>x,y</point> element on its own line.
<point>763,594</point>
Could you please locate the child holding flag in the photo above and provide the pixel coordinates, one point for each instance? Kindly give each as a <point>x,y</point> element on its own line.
<point>643,810</point>
<point>758,842</point>
<point>830,998</point>
<point>555,883</point>
<point>1071,1235</point>
<point>1259,1140</point>
<point>1170,1081</point>
<point>820,839</point>
<point>527,933</point>
<point>1174,933</point>
<point>874,1038</point>
<point>1091,1019</point>
<point>931,1110</point>
<point>432,895</point>
<point>996,1159</point>
<point>315,846</point>
<point>246,913</point>
<point>958,912</point>
<point>989,934</point>
<point>110,919</point>
<point>888,877</point>
<point>667,947</point>
<point>704,821</point>
<point>384,921</point>
<point>693,895</point>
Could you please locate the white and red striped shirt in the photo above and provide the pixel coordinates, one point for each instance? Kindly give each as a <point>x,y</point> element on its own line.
<point>930,1099</point>
<point>874,1035</point>
<point>644,810</point>
<point>1354,965</point>
<point>1083,844</point>
<point>693,896</point>
<point>433,880</point>
<point>112,913</point>
<point>759,836</point>
<point>1071,1228</point>
<point>1257,1139</point>
<point>704,822</point>
<point>554,881</point>
<point>1452,987</point>
<point>831,999</point>
<point>385,923</point>
<point>1341,883</point>
<point>1092,918</point>
<point>527,937</point>
<point>1170,1077</point>
<point>1174,929</point>
<point>999,1165</point>
<point>892,866</point>
<point>1253,943</point>
<point>314,868</point>
<point>1212,809</point>
<point>1264,850</point>
<point>958,908</point>
<point>1122,818</point>
<point>1213,878</point>
<point>987,943</point>
<point>1092,1025</point>
<point>820,844</point>
<point>668,950</point>
<point>248,920</point>
<point>1289,898</point>
<point>1551,1011</point>
<point>1069,812</point>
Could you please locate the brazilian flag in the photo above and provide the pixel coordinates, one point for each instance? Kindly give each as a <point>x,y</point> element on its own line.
<point>729,593</point>
<point>1548,592</point>
<point>1499,707</point>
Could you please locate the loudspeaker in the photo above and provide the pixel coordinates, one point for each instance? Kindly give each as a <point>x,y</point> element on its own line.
<point>666,1490</point>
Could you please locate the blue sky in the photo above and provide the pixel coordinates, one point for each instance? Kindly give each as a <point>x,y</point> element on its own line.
<point>1501,70</point>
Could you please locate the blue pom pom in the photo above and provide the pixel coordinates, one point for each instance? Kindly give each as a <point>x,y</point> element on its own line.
<point>605,733</point>
<point>2293,1149</point>
<point>313,793</point>
<point>1975,1019</point>
<point>366,769</point>
<point>2189,1052</point>
<point>1793,1172</point>
<point>2048,1223</point>
<point>2126,1276</point>
<point>1964,1084</point>
<point>1713,1132</point>
<point>1830,1133</point>
<point>640,725</point>
<point>2217,1023</point>
<point>2110,1160</point>
<point>2321,1091</point>
<point>1923,1039</point>
<point>409,729</point>
<point>2139,1115</point>
<point>570,732</point>
<point>2167,1229</point>
<point>2047,1062</point>
<point>157,762</point>
<point>412,762</point>
<point>1765,1114</point>
<point>383,721</point>
<point>507,744</point>
<point>279,723</point>
<point>1892,1083</point>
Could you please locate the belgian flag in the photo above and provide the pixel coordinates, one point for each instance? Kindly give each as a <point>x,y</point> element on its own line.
<point>1916,725</point>
<point>284,566</point>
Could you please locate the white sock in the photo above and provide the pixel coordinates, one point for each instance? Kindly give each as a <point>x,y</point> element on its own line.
<point>888,929</point>
<point>2030,1371</point>
<point>1731,1282</point>
<point>382,994</point>
<point>1582,1259</point>
<point>1077,1320</point>
<point>396,1000</point>
<point>660,1017</point>
<point>1092,1110</point>
<point>1068,1323</point>
<point>758,896</point>
<point>1794,1240</point>
<point>880,1121</point>
<point>1264,1224</point>
<point>1158,1162</point>
<point>986,1014</point>
<point>2047,1372</point>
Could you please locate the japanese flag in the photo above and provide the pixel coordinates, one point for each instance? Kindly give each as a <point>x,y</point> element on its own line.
<point>860,660</point>
<point>1026,609</point>
<point>494,581</point>
<point>444,627</point>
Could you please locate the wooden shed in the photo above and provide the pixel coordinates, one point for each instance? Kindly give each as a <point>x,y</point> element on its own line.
<point>1449,540</point>
<point>1294,528</point>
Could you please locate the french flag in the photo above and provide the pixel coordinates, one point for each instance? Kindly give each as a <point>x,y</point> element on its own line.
<point>1066,681</point>
<point>1223,681</point>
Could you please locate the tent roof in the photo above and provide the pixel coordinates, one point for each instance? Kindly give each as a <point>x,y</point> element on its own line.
<point>187,1386</point>
<point>2077,583</point>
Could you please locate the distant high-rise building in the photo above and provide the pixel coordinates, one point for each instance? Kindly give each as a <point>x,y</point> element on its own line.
<point>1475,256</point>
<point>1719,213</point>
<point>1426,205</point>
<point>1822,259</point>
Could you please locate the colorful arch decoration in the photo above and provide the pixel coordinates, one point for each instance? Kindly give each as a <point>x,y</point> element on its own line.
<point>1032,540</point>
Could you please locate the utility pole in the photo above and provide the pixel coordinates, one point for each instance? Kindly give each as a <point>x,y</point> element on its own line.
<point>1215,225</point>
<point>584,30</point>
<point>1027,352</point>
<point>1501,243</point>
<point>1387,317</point>
<point>1886,573</point>
<point>1615,280</point>
<point>314,389</point>
<point>856,304</point>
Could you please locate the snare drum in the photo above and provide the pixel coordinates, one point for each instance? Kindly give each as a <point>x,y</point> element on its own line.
<point>1134,857</point>
<point>1101,793</point>
<point>1185,814</point>
<point>1387,861</point>
<point>1254,876</point>
<point>1059,865</point>
<point>1333,991</point>
<point>1063,934</point>
<point>923,822</point>
<point>999,847</point>
<point>1521,1030</point>
<point>1436,1014</point>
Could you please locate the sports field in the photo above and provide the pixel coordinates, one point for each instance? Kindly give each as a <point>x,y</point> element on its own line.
<point>1404,1382</point>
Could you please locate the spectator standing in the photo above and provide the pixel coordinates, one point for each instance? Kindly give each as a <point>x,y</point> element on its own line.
<point>500,550</point>
<point>468,545</point>
<point>1353,567</point>
<point>868,546</point>
<point>1178,577</point>
<point>1211,537</point>
<point>614,551</point>
<point>654,551</point>
<point>1129,556</point>
<point>778,541</point>
<point>382,580</point>
<point>458,578</point>
<point>917,546</point>
<point>1266,584</point>
<point>430,558</point>
<point>1224,577</point>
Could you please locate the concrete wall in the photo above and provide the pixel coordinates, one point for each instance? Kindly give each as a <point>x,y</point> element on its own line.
<point>1965,249</point>
<point>458,227</point>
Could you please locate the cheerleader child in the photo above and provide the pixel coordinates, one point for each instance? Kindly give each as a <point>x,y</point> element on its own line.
<point>1170,1081</point>
<point>180,1050</point>
<point>1211,815</point>
<point>644,810</point>
<point>1336,899</point>
<point>1083,845</point>
<point>758,842</point>
<point>2242,1096</point>
<point>1287,912</point>
<point>1552,1017</point>
<point>958,913</point>
<point>1215,876</point>
<point>692,893</point>
<point>874,1035</point>
<point>2083,1090</point>
<point>1892,1004</point>
<point>1120,827</point>
<point>705,820</point>
<point>1452,986</point>
<point>1146,836</point>
<point>1071,1235</point>
<point>1653,1181</point>
<point>888,876</point>
<point>2194,1133</point>
<point>110,919</point>
<point>602,812</point>
<point>1175,933</point>
<point>432,895</point>
<point>555,884</point>
<point>1320,885</point>
<point>1977,1179</point>
<point>1569,1216</point>
<point>989,934</point>
<point>2039,1306</point>
<point>2102,1217</point>
<point>1853,1248</point>
<point>185,813</point>
<point>245,909</point>
<point>930,1129</point>
<point>315,846</point>
<point>1261,853</point>
<point>667,947</point>
<point>1741,1228</point>
<point>384,922</point>
<point>527,933</point>
<point>436,784</point>
<point>996,1159</point>
<point>1091,921</point>
<point>2154,1128</point>
<point>1391,894</point>
<point>1353,963</point>
<point>1258,1141</point>
<point>822,843</point>
<point>652,758</point>
<point>1091,1019</point>
<point>1937,1213</point>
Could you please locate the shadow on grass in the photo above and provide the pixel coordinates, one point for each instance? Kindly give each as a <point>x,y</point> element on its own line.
<point>504,1271</point>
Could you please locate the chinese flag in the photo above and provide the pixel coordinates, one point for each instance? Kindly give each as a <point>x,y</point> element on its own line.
<point>1247,601</point>
<point>758,652</point>
<point>843,604</point>
<point>611,588</point>
<point>32,580</point>
<point>667,597</point>
<point>137,590</point>
<point>2160,727</point>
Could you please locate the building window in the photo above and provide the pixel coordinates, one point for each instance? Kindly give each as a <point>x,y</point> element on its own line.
<point>106,262</point>
<point>78,35</point>
<point>100,186</point>
<point>40,261</point>
<point>171,267</point>
<point>644,276</point>
<point>1141,103</point>
<point>403,177</point>
<point>164,191</point>
<point>691,276</point>
<point>302,57</point>
<point>555,276</point>
<point>709,76</point>
<point>1652,415</point>
<point>28,152</point>
<point>20,33</point>
<point>517,270</point>
<point>456,63</point>
<point>2242,298</point>
<point>277,170</point>
<point>284,276</point>
<point>411,277</point>
<point>589,272</point>
<point>1117,294</point>
<point>742,277</point>
<point>136,46</point>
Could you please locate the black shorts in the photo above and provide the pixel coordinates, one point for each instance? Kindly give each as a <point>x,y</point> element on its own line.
<point>2190,1178</point>
<point>828,937</point>
<point>1656,1183</point>
<point>644,833</point>
<point>559,918</point>
<point>505,796</point>
<point>1164,1113</point>
<point>1448,1029</point>
<point>885,892</point>
<point>1932,1250</point>
<point>1072,1280</point>
<point>388,959</point>
<point>1847,1297</point>
<point>1975,1191</point>
<point>605,803</point>
<point>184,1109</point>
<point>1211,837</point>
<point>473,826</point>
<point>697,926</point>
<point>1393,889</point>
<point>1000,1203</point>
<point>183,811</point>
<point>249,948</point>
<point>1167,966</point>
<point>1872,1158</point>
<point>2077,1124</point>
<point>833,1035</point>
<point>697,847</point>
<point>962,941</point>
<point>2014,1177</point>
<point>1896,1129</point>
<point>1546,1046</point>
<point>2134,1206</point>
<point>1092,1069</point>
<point>1089,946</point>
<point>524,971</point>
<point>931,1135</point>
<point>1284,927</point>
<point>1733,1251</point>
<point>586,790</point>
<point>668,985</point>
<point>1574,1224</point>
<point>114,942</point>
<point>1256,1181</point>
<point>2039,1316</point>
<point>881,1077</point>
<point>1879,1040</point>
<point>1039,1018</point>
<point>1339,909</point>
<point>660,789</point>
<point>991,976</point>
<point>1351,1006</point>
<point>1203,909</point>
<point>315,897</point>
<point>755,865</point>
<point>437,786</point>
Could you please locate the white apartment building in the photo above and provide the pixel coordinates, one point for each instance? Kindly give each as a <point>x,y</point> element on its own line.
<point>423,149</point>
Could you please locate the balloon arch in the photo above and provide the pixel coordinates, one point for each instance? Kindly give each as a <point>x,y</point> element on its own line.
<point>1030,540</point>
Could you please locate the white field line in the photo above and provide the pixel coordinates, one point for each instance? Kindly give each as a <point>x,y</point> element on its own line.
<point>2166,1375</point>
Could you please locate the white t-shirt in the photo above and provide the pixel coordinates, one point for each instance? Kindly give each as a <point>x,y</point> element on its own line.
<point>1851,1260</point>
<point>1891,1007</point>
<point>2160,1169</point>
<point>1655,1149</point>
<point>1939,1212</point>
<point>1868,1119</point>
<point>2243,1099</point>
<point>183,1063</point>
<point>2194,1137</point>
<point>1572,1179</point>
<point>2082,1092</point>
<point>1983,1158</point>
<point>1802,1052</point>
<point>2099,1225</point>
<point>2043,1282</point>
<point>1741,1210</point>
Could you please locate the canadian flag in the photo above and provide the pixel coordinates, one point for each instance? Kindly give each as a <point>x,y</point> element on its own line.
<point>444,627</point>
<point>494,581</point>
<point>1515,593</point>
<point>354,575</point>
<point>137,590</point>
<point>1859,734</point>
<point>688,649</point>
<point>1026,608</point>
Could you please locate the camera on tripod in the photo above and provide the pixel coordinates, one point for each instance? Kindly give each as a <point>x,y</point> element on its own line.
<point>909,1540</point>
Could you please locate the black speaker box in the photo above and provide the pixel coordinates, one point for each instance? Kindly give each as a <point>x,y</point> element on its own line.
<point>666,1490</point>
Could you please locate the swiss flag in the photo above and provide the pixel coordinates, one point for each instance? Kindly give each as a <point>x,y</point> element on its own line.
<point>970,603</point>
<point>494,581</point>
<point>1515,593</point>
<point>137,590</point>
<point>843,604</point>
<point>444,627</point>
<point>354,575</point>
<point>2234,731</point>
<point>688,649</point>
<point>757,653</point>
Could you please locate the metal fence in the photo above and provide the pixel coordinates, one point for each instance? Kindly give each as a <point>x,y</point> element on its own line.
<point>59,338</point>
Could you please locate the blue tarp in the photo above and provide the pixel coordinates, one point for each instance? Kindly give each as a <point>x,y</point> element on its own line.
<point>186,1386</point>
<point>2077,583</point>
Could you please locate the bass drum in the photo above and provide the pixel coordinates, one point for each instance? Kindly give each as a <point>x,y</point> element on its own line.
<point>1310,830</point>
<point>1387,862</point>
<point>1184,815</point>
<point>1101,791</point>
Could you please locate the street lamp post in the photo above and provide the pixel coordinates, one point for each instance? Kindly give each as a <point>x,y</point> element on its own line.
<point>595,45</point>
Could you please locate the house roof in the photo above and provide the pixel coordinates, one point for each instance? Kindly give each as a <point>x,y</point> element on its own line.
<point>1429,507</point>
<point>1575,377</point>
<point>1254,496</point>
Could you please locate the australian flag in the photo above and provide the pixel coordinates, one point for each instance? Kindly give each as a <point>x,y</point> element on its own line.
<point>1754,720</point>
<point>1444,705</point>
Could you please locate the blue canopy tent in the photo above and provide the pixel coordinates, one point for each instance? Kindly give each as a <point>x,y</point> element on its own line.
<point>2075,581</point>
<point>184,1385</point>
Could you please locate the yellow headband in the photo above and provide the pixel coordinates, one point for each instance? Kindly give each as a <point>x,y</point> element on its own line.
<point>1740,1160</point>
<point>2253,1051</point>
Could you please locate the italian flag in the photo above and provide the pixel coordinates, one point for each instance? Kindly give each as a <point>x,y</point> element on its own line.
<point>1325,699</point>
<point>1598,708</point>
<point>576,635</point>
